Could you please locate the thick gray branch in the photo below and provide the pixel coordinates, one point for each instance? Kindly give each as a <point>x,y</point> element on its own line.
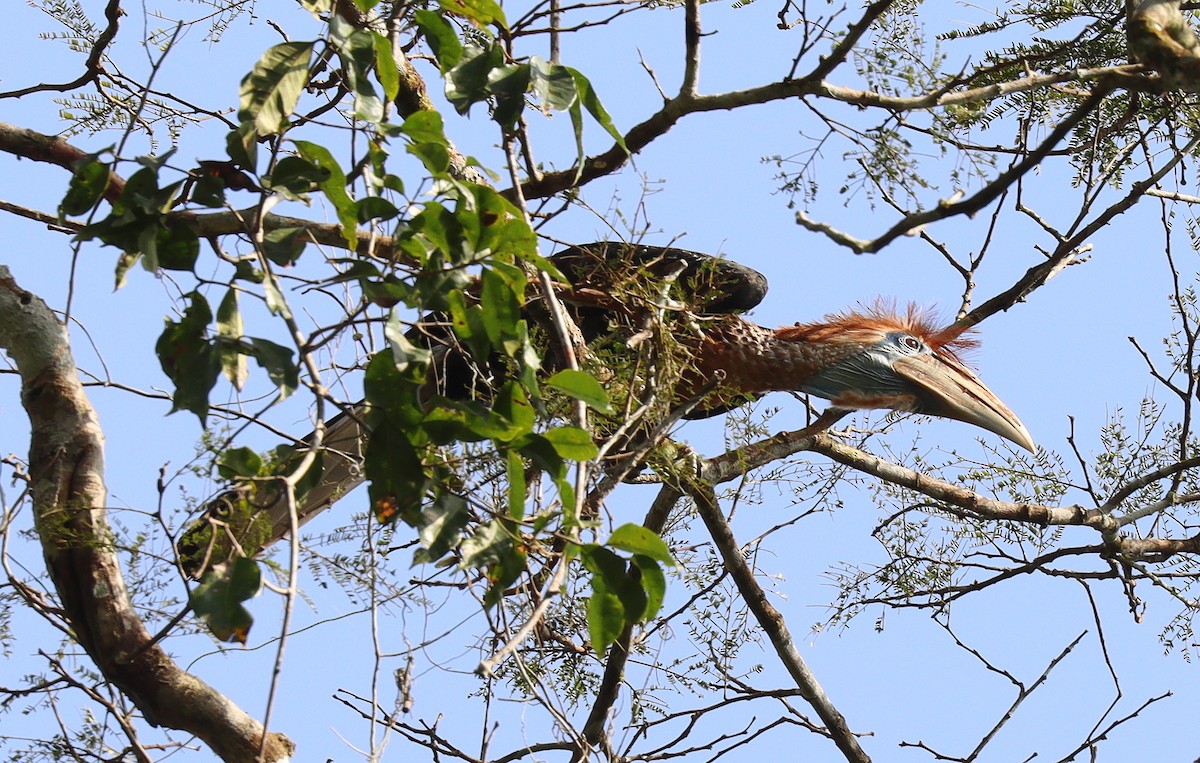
<point>66,466</point>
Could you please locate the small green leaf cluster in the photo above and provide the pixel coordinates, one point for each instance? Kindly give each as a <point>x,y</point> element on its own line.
<point>218,600</point>
<point>625,591</point>
<point>412,479</point>
<point>192,356</point>
<point>476,73</point>
<point>139,222</point>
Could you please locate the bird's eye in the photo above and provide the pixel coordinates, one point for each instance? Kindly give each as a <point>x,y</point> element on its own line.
<point>910,343</point>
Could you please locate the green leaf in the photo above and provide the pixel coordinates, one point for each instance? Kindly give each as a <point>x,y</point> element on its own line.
<point>209,191</point>
<point>295,177</point>
<point>155,162</point>
<point>229,331</point>
<point>359,52</point>
<point>270,91</point>
<point>239,462</point>
<point>376,208</point>
<point>334,187</point>
<point>277,360</point>
<point>387,291</point>
<point>503,574</point>
<point>482,12</point>
<point>317,8</point>
<point>146,238</point>
<point>511,403</point>
<point>385,66</point>
<point>528,363</point>
<point>241,145</point>
<point>542,453</point>
<point>581,386</point>
<point>468,324</point>
<point>88,184</point>
<point>391,392</point>
<point>405,354</point>
<point>425,126</point>
<point>218,599</point>
<point>491,546</point>
<point>378,175</point>
<point>515,467</point>
<point>177,246</point>
<point>283,246</point>
<point>616,575</point>
<point>553,84</point>
<point>611,581</point>
<point>442,38</point>
<point>126,261</point>
<point>188,359</point>
<point>275,300</point>
<point>504,231</point>
<point>244,270</point>
<point>591,102</point>
<point>444,521</point>
<point>606,619</point>
<point>397,478</point>
<point>509,84</point>
<point>572,443</point>
<point>432,223</point>
<point>446,424</point>
<point>654,583</point>
<point>467,82</point>
<point>435,157</point>
<point>501,308</point>
<point>636,539</point>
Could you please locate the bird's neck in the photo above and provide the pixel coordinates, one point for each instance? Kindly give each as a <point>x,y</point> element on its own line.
<point>757,360</point>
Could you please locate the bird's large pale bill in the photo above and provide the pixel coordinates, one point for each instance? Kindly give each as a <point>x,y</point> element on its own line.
<point>951,390</point>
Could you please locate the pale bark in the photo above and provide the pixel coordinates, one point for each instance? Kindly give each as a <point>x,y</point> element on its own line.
<point>66,467</point>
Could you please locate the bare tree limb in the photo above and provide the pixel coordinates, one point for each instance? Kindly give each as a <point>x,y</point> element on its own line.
<point>976,202</point>
<point>770,619</point>
<point>93,66</point>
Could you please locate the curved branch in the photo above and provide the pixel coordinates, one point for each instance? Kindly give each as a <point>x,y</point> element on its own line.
<point>66,458</point>
<point>689,102</point>
<point>971,204</point>
<point>974,504</point>
<point>771,620</point>
<point>30,144</point>
<point>51,149</point>
<point>92,67</point>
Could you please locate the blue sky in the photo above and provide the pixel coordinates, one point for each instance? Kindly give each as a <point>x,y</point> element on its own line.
<point>1064,353</point>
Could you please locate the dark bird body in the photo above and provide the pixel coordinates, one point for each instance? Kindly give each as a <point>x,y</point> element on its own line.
<point>875,358</point>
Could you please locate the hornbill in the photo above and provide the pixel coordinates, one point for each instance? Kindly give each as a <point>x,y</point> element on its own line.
<point>874,358</point>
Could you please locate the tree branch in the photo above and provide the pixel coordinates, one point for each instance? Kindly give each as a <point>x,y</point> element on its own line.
<point>770,619</point>
<point>66,458</point>
<point>971,204</point>
<point>92,67</point>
